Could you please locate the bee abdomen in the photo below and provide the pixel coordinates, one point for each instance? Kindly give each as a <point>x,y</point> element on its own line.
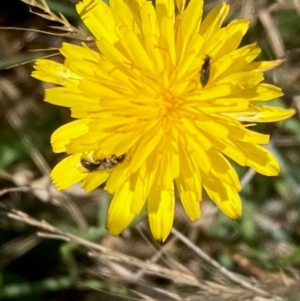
<point>90,166</point>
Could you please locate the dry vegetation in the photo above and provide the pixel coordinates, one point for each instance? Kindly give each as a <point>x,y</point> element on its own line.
<point>54,245</point>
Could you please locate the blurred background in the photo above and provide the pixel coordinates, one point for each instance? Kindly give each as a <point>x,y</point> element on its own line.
<point>54,245</point>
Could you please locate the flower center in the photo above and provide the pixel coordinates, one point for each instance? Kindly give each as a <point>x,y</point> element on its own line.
<point>167,104</point>
<point>169,111</point>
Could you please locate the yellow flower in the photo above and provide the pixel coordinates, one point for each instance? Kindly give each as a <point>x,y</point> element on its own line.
<point>162,102</point>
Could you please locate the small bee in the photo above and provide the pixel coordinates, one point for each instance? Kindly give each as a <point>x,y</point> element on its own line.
<point>102,164</point>
<point>112,161</point>
<point>205,71</point>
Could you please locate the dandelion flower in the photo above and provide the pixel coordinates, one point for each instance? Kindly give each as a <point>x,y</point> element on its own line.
<point>162,103</point>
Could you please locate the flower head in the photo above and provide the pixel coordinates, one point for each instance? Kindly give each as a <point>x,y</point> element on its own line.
<point>162,103</point>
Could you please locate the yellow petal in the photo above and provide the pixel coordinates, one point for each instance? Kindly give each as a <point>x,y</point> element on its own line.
<point>81,52</point>
<point>266,114</point>
<point>123,15</point>
<point>214,20</point>
<point>260,159</point>
<point>98,18</point>
<point>191,20</point>
<point>142,181</point>
<point>95,179</point>
<point>117,178</point>
<point>236,60</point>
<point>242,80</point>
<point>167,39</point>
<point>119,213</point>
<point>145,148</point>
<point>135,49</point>
<point>189,186</point>
<point>135,7</point>
<point>225,196</point>
<point>221,169</point>
<point>69,97</point>
<point>63,135</point>
<point>261,92</point>
<point>55,73</point>
<point>67,172</point>
<point>164,9</point>
<point>161,213</point>
<point>235,30</point>
<point>263,66</point>
<point>180,4</point>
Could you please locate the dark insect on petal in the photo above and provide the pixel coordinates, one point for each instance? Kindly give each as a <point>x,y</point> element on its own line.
<point>205,71</point>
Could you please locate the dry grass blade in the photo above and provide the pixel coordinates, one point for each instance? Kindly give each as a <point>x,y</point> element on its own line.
<point>16,248</point>
<point>72,31</point>
<point>150,268</point>
<point>15,189</point>
<point>36,30</point>
<point>106,253</point>
<point>117,261</point>
<point>11,92</point>
<point>272,33</point>
<point>232,276</point>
